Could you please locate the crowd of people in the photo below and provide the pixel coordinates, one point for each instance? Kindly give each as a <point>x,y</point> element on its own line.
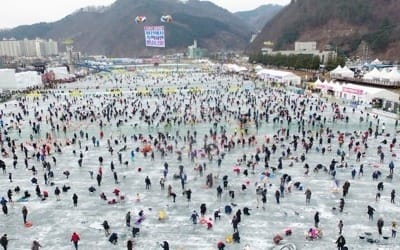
<point>225,148</point>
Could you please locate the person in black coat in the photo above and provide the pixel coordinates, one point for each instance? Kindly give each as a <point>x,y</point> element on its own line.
<point>203,209</point>
<point>380,224</point>
<point>370,212</point>
<point>340,242</point>
<point>129,245</point>
<point>165,245</point>
<point>106,227</point>
<point>75,200</point>
<point>4,241</point>
<point>316,219</point>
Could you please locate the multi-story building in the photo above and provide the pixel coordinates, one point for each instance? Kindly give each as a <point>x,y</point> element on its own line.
<point>308,48</point>
<point>10,47</point>
<point>28,48</point>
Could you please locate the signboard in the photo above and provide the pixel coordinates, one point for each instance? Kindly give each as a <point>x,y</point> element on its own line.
<point>154,36</point>
<point>352,91</point>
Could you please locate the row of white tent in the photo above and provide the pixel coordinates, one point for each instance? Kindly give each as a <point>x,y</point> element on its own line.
<point>352,90</point>
<point>9,80</point>
<point>388,75</point>
<point>385,75</point>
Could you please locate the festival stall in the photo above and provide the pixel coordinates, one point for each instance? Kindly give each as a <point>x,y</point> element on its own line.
<point>340,72</point>
<point>278,76</point>
<point>369,95</point>
<point>28,79</point>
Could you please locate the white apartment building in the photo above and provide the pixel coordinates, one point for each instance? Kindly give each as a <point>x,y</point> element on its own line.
<point>28,48</point>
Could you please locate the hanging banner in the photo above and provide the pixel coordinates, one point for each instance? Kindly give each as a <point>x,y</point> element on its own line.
<point>154,36</point>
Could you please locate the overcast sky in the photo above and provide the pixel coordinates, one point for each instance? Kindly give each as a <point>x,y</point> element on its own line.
<point>33,11</point>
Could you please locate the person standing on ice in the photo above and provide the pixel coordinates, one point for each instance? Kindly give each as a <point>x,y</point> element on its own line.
<point>341,242</point>
<point>129,245</point>
<point>380,224</point>
<point>194,217</point>
<point>203,209</point>
<point>4,241</point>
<point>148,182</point>
<point>106,227</point>
<point>75,239</point>
<point>316,219</point>
<point>341,205</point>
<point>219,192</point>
<point>24,213</point>
<point>308,196</point>
<point>370,212</point>
<point>392,196</point>
<point>98,178</point>
<point>128,219</point>
<point>340,226</point>
<point>391,167</point>
<point>277,196</point>
<point>75,200</point>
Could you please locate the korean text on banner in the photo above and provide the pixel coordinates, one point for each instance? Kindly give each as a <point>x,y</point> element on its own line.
<point>154,36</point>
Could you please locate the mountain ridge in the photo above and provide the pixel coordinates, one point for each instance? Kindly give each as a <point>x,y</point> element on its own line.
<point>258,17</point>
<point>113,31</point>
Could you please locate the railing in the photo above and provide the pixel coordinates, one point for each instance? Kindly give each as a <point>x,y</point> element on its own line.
<point>378,83</point>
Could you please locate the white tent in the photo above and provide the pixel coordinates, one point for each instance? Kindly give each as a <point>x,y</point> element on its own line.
<point>7,79</point>
<point>61,73</point>
<point>337,70</point>
<point>374,74</point>
<point>258,68</point>
<point>394,75</point>
<point>28,79</point>
<point>385,75</point>
<point>279,76</point>
<point>346,72</point>
<point>342,72</point>
<point>376,62</point>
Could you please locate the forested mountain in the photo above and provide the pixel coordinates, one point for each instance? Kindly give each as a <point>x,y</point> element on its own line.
<point>340,24</point>
<point>258,17</point>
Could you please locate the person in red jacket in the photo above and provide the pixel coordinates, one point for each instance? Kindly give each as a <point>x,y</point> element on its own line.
<point>75,238</point>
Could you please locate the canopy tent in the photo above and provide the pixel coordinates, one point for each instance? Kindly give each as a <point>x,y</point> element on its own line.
<point>28,79</point>
<point>336,70</point>
<point>7,79</point>
<point>374,74</point>
<point>325,86</point>
<point>376,62</point>
<point>342,72</point>
<point>317,82</point>
<point>346,72</point>
<point>279,76</point>
<point>258,68</point>
<point>394,75</point>
<point>61,73</point>
<point>384,75</point>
